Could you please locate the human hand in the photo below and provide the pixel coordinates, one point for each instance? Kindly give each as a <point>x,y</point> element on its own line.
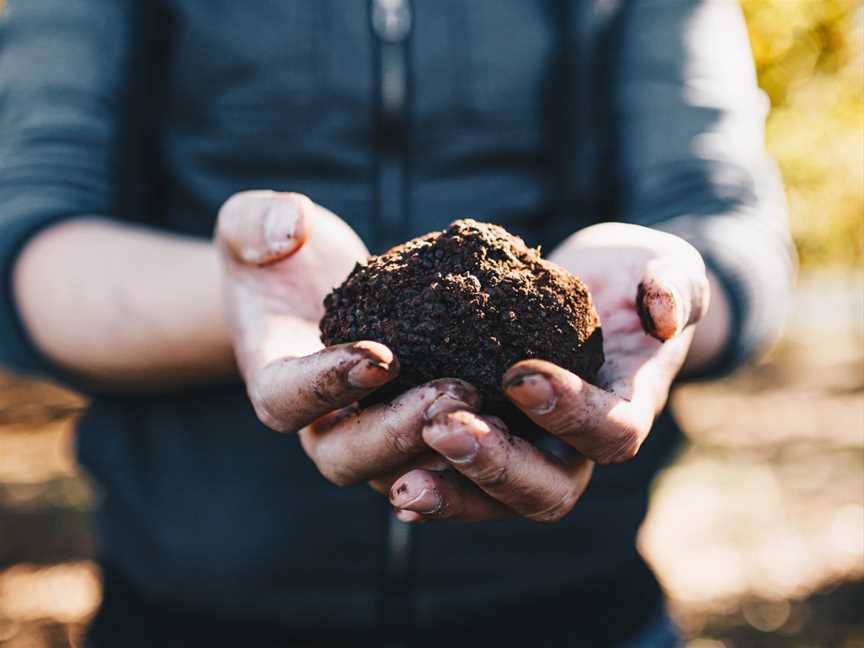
<point>281,253</point>
<point>648,287</point>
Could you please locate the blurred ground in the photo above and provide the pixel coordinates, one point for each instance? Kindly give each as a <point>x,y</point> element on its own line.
<point>756,531</point>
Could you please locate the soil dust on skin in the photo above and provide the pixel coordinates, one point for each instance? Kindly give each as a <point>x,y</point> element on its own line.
<point>756,530</point>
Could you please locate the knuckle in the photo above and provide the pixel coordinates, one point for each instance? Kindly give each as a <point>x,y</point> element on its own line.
<point>572,421</point>
<point>263,406</point>
<point>558,510</point>
<point>320,396</point>
<point>551,515</point>
<point>338,477</point>
<point>493,475</point>
<point>267,418</point>
<point>625,448</point>
<point>399,440</point>
<point>336,473</point>
<point>325,457</point>
<point>342,478</point>
<point>264,412</point>
<point>492,467</point>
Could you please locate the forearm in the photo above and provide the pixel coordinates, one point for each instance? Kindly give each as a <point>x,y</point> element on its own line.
<point>125,308</point>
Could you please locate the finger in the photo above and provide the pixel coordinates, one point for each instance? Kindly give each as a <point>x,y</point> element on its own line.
<point>423,495</point>
<point>508,468</point>
<point>371,442</point>
<point>428,460</point>
<point>673,294</point>
<point>292,392</point>
<point>262,227</point>
<point>599,424</point>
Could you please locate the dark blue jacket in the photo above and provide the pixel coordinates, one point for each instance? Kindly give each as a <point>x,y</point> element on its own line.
<point>543,116</point>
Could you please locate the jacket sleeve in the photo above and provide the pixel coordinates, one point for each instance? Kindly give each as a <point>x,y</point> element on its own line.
<point>63,75</point>
<point>687,119</point>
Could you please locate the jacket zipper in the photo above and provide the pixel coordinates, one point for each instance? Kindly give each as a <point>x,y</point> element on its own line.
<point>392,24</point>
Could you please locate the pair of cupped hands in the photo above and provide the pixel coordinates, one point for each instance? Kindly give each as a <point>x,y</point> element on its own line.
<point>431,451</point>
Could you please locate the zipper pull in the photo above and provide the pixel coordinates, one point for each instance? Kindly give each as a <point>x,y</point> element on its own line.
<point>391,20</point>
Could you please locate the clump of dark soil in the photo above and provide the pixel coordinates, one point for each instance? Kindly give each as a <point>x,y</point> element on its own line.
<point>467,302</point>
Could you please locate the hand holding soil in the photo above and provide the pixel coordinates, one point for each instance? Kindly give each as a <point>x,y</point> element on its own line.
<point>472,301</point>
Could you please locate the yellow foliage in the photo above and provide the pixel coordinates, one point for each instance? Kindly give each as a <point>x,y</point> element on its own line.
<point>810,59</point>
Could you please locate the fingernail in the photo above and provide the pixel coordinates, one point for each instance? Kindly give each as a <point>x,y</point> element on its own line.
<point>457,439</point>
<point>366,374</point>
<point>427,501</point>
<point>661,310</point>
<point>280,224</point>
<point>532,392</point>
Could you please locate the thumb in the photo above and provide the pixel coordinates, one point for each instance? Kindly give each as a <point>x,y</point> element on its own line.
<point>263,227</point>
<point>673,294</point>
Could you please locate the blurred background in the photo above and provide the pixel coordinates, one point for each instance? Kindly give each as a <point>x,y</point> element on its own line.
<point>756,530</point>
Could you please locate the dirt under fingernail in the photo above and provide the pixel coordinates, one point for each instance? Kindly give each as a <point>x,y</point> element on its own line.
<point>367,374</point>
<point>642,310</point>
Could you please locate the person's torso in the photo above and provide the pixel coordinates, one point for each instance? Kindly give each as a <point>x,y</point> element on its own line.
<point>451,102</point>
<point>398,130</point>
